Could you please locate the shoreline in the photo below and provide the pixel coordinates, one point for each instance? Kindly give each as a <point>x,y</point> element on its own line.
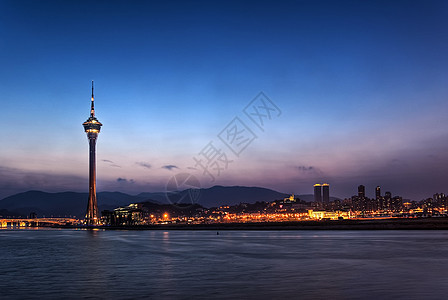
<point>368,224</point>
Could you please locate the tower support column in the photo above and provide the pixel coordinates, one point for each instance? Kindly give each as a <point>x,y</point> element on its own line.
<point>92,215</point>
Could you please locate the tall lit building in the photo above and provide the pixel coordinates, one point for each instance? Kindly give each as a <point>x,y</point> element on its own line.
<point>387,200</point>
<point>318,193</point>
<point>361,192</point>
<point>378,192</point>
<point>326,193</point>
<point>92,127</point>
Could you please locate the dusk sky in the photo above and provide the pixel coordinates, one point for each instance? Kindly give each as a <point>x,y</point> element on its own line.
<point>360,87</point>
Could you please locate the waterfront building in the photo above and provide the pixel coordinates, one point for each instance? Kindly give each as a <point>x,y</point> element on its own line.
<point>378,193</point>
<point>326,193</point>
<point>441,200</point>
<point>133,214</point>
<point>361,192</point>
<point>92,127</point>
<point>329,215</point>
<point>378,199</point>
<point>318,193</point>
<point>387,200</point>
<point>396,204</point>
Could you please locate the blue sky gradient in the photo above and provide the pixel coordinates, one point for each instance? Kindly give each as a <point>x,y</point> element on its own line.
<point>362,86</point>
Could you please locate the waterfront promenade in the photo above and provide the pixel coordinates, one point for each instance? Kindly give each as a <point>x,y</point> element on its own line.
<point>35,222</point>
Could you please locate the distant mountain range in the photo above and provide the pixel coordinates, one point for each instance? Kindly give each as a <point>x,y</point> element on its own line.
<point>60,204</point>
<point>75,204</point>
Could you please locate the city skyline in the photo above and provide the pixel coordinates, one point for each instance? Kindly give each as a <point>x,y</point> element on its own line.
<point>360,89</point>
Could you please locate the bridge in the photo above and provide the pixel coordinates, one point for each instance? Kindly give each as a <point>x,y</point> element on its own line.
<point>36,222</point>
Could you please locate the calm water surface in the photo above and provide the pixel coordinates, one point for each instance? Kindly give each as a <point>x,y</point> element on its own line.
<point>80,264</point>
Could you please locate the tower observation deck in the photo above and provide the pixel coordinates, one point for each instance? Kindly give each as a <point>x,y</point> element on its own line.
<point>92,127</point>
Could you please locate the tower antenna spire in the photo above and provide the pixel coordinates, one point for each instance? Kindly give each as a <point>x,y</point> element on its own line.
<point>92,108</point>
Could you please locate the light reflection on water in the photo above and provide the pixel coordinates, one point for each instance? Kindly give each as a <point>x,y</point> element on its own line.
<point>77,264</point>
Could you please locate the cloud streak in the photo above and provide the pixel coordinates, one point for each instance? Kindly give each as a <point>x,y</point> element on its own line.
<point>309,170</point>
<point>169,167</point>
<point>144,165</point>
<point>111,163</point>
<point>124,180</point>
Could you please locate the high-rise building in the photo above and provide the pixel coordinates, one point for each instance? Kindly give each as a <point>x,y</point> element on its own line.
<point>378,193</point>
<point>92,127</point>
<point>318,193</point>
<point>361,192</point>
<point>387,200</point>
<point>326,193</point>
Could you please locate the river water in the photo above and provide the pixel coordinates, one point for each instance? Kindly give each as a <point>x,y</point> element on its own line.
<point>85,264</point>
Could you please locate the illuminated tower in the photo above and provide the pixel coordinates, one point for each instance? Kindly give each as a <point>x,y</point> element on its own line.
<point>326,193</point>
<point>92,127</point>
